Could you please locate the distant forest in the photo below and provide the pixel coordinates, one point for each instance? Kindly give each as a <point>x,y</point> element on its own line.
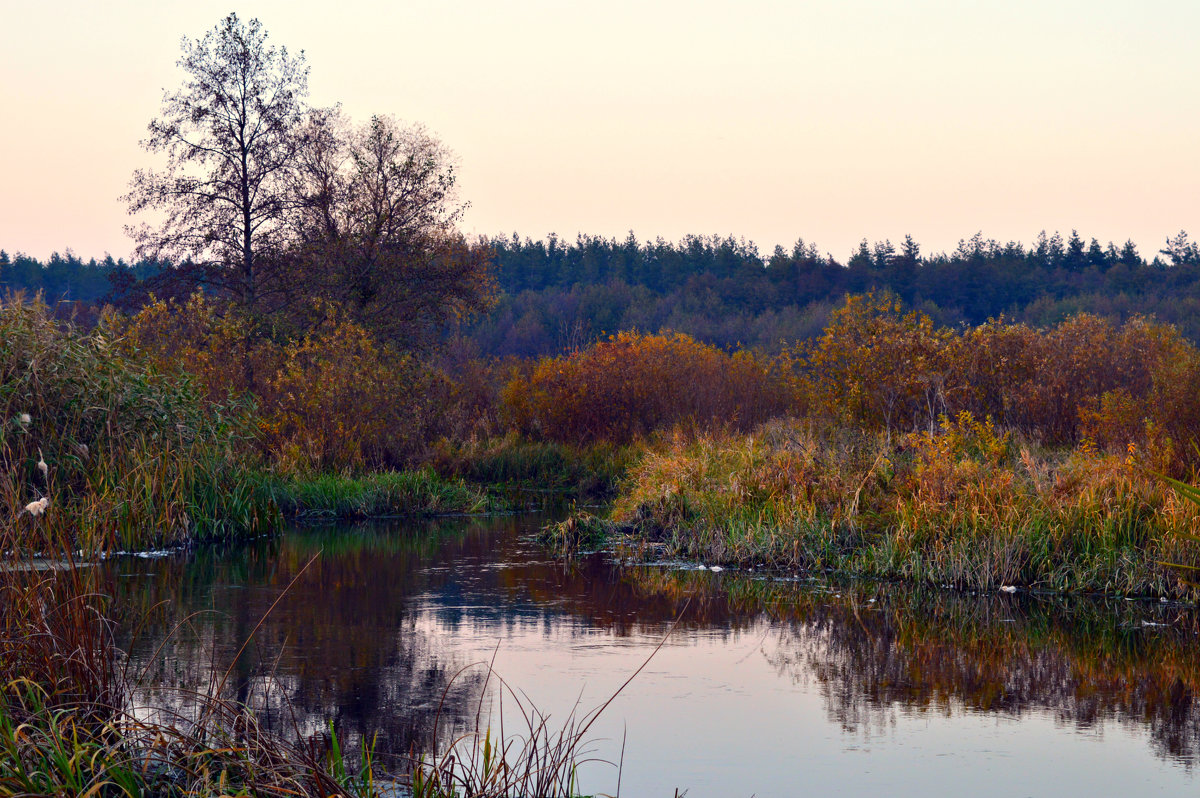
<point>555,294</point>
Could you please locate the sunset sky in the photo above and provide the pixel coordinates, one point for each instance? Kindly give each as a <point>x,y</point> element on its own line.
<point>831,120</point>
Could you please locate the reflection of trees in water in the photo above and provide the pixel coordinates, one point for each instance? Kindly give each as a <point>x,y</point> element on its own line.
<point>360,638</point>
<point>342,645</point>
<point>915,650</point>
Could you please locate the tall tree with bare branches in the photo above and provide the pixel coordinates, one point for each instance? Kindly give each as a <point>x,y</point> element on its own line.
<point>375,229</point>
<point>229,134</point>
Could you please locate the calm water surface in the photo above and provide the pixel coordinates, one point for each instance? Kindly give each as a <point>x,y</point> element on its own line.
<point>765,687</point>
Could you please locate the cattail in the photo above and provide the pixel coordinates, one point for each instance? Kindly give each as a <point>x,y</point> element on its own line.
<point>41,464</point>
<point>82,449</point>
<point>24,419</point>
<point>38,507</point>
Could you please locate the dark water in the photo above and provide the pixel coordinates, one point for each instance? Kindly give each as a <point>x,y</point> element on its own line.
<point>765,687</point>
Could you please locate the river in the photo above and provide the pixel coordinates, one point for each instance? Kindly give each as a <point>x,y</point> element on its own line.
<point>767,686</point>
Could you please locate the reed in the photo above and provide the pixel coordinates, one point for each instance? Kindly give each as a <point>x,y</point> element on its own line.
<point>114,454</point>
<point>579,532</point>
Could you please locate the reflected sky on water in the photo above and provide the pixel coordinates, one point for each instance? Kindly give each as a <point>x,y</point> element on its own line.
<point>765,686</point>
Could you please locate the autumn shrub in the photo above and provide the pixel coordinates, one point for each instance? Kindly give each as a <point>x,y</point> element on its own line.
<point>473,410</point>
<point>342,400</point>
<point>631,384</point>
<point>1043,382</point>
<point>878,367</point>
<point>216,345</point>
<point>331,398</point>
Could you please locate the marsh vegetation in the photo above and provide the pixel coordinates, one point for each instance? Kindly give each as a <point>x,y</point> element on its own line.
<point>308,338</point>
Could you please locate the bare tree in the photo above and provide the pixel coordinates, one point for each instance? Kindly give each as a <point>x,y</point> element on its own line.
<point>229,136</point>
<point>376,227</point>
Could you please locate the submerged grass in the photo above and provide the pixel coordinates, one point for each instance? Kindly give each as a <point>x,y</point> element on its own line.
<point>579,532</point>
<point>963,504</point>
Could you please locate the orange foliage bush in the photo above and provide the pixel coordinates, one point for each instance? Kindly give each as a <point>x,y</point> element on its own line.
<point>880,368</point>
<point>630,385</point>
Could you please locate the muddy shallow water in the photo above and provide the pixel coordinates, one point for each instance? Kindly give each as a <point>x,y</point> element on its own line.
<point>765,687</point>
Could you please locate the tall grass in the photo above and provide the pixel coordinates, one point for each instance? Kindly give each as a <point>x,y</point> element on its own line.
<point>962,505</point>
<point>514,462</point>
<point>391,493</point>
<point>123,456</point>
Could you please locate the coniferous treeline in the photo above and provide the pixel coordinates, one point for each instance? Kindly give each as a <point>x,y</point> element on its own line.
<point>70,280</point>
<point>557,295</point>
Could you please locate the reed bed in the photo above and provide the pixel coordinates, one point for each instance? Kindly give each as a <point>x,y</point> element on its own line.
<point>964,504</point>
<point>101,450</point>
<point>514,462</point>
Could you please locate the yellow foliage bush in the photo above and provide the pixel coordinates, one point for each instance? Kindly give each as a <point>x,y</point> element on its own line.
<point>877,367</point>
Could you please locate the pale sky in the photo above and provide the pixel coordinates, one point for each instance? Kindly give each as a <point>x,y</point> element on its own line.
<point>831,120</point>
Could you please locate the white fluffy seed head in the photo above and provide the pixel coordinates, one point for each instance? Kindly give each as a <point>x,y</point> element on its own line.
<point>38,507</point>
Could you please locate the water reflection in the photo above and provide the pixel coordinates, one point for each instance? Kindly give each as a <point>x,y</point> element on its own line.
<point>375,634</point>
<point>341,646</point>
<point>873,649</point>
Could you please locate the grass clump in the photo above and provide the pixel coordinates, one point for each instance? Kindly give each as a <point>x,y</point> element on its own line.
<point>101,449</point>
<point>578,532</point>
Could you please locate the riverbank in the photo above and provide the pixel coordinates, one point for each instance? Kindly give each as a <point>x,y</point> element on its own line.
<point>965,505</point>
<point>505,474</point>
<point>104,452</point>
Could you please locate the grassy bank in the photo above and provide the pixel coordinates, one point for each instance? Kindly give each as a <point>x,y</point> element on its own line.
<point>102,451</point>
<point>964,505</point>
<point>513,463</point>
<point>392,493</point>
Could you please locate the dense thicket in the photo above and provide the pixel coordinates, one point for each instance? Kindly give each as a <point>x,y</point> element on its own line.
<point>99,449</point>
<point>1084,381</point>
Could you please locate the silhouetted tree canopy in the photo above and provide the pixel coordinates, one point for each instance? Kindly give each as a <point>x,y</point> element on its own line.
<point>285,210</point>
